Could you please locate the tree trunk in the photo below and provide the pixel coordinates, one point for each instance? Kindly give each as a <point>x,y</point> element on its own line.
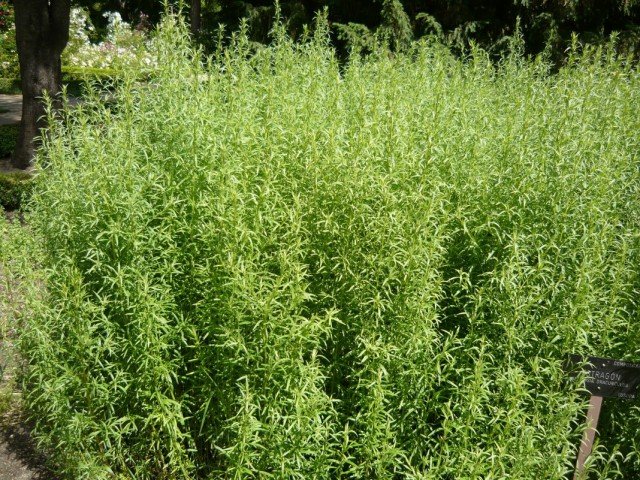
<point>42,33</point>
<point>196,16</point>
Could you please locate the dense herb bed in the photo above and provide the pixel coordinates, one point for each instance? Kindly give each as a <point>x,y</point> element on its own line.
<point>277,266</point>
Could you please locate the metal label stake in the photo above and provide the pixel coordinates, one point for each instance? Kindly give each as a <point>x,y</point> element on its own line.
<point>605,377</point>
<point>593,414</point>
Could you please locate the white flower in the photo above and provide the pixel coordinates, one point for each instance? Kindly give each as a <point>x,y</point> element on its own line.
<point>112,52</point>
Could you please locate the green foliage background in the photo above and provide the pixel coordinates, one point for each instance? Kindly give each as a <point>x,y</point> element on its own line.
<point>276,265</point>
<point>9,67</point>
<point>548,23</point>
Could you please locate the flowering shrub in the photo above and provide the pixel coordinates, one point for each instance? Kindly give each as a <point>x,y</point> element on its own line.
<point>123,47</point>
<point>80,29</point>
<point>9,67</point>
<point>6,16</point>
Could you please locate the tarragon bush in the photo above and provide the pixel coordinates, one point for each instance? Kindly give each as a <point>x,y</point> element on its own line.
<point>267,264</point>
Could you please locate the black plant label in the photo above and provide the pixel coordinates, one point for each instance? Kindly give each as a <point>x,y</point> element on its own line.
<point>606,377</point>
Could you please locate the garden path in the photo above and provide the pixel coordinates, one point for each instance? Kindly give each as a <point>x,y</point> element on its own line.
<point>10,109</point>
<point>19,460</point>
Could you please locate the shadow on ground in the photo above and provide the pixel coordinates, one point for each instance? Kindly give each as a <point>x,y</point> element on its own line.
<point>19,457</point>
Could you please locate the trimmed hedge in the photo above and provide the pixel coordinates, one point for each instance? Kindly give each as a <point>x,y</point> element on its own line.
<point>76,78</point>
<point>72,73</point>
<point>8,138</point>
<point>15,188</point>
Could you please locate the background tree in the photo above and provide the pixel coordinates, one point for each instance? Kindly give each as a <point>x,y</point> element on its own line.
<point>195,16</point>
<point>42,32</point>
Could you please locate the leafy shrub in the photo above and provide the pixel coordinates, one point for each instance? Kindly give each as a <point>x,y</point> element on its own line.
<point>10,86</point>
<point>395,30</point>
<point>269,264</point>
<point>15,189</point>
<point>6,16</point>
<point>9,66</point>
<point>8,139</point>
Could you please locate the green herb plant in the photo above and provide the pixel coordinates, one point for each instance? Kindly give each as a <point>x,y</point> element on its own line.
<point>271,265</point>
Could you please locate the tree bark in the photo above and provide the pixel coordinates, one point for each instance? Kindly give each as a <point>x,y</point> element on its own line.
<point>196,16</point>
<point>42,33</point>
